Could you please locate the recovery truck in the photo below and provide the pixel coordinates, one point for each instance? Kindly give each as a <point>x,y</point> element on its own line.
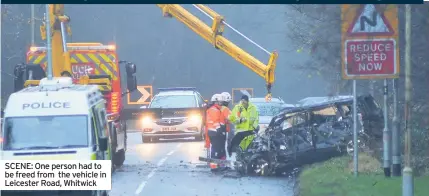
<point>86,63</point>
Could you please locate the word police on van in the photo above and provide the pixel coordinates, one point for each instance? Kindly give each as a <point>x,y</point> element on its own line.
<point>42,105</point>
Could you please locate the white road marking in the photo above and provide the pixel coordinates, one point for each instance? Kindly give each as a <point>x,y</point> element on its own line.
<point>152,173</point>
<point>160,162</point>
<point>171,152</point>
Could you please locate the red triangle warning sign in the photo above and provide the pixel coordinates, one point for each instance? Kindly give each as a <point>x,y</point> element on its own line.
<point>370,21</point>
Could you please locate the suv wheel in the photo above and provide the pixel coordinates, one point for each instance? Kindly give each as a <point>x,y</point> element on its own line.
<point>146,139</point>
<point>201,136</point>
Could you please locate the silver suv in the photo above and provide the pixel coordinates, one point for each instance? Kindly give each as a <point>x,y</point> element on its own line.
<point>174,113</point>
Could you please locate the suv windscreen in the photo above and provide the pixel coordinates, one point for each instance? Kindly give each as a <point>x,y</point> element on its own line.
<point>173,101</point>
<point>268,109</point>
<point>45,132</point>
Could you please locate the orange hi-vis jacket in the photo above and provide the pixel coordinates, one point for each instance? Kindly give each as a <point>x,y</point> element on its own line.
<point>226,112</point>
<point>214,120</point>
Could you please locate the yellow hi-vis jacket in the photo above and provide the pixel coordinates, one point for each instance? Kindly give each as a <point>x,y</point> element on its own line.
<point>250,114</point>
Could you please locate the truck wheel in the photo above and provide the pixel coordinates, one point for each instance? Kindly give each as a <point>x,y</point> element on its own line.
<point>146,139</point>
<point>119,158</point>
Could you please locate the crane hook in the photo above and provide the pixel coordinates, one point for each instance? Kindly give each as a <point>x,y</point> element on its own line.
<point>268,97</point>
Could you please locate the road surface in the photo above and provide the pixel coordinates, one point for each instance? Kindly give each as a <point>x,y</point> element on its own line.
<point>171,167</point>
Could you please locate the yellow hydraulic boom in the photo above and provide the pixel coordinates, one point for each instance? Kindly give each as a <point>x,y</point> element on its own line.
<point>61,64</point>
<point>59,24</point>
<point>214,36</point>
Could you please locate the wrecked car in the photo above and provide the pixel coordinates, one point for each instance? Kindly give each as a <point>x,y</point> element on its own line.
<point>309,133</point>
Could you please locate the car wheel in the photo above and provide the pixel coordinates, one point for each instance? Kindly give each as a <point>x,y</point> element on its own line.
<point>146,139</point>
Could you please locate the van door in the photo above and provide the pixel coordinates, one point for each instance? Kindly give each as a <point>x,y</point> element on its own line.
<point>104,131</point>
<point>99,132</point>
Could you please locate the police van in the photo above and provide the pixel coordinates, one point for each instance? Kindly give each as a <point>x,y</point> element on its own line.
<point>56,120</point>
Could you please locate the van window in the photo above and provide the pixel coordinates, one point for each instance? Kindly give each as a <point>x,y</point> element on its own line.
<point>103,121</point>
<point>93,131</point>
<point>100,132</point>
<point>46,132</point>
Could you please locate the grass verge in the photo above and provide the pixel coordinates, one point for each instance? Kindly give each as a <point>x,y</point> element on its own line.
<point>335,178</point>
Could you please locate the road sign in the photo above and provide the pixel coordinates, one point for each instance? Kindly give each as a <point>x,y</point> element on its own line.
<point>370,20</point>
<point>369,41</point>
<point>141,96</point>
<point>370,57</point>
<point>238,92</point>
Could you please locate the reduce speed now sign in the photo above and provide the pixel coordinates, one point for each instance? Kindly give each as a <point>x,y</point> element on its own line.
<point>370,57</point>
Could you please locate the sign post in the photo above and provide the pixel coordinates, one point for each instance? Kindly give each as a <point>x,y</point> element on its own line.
<point>370,51</point>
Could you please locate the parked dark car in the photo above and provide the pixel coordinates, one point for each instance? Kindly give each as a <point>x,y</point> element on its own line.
<point>310,133</point>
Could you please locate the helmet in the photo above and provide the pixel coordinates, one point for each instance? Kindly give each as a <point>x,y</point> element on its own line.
<point>216,97</point>
<point>226,96</point>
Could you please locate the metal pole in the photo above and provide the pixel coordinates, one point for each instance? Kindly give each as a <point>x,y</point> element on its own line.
<point>396,153</point>
<point>1,92</point>
<point>371,87</point>
<point>48,45</point>
<point>386,135</point>
<point>32,24</point>
<point>407,178</point>
<point>64,36</point>
<point>355,132</point>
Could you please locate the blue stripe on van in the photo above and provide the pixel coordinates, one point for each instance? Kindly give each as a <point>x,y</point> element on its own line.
<point>43,153</point>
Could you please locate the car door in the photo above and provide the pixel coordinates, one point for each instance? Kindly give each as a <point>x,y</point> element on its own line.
<point>305,151</point>
<point>302,148</point>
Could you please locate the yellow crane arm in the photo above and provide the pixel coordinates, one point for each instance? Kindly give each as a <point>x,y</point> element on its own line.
<point>59,27</point>
<point>61,57</point>
<point>61,64</point>
<point>214,36</point>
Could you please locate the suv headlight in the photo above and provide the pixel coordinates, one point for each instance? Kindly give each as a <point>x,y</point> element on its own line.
<point>147,120</point>
<point>195,119</point>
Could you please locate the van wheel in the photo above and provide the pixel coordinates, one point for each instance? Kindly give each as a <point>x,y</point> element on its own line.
<point>119,158</point>
<point>146,139</point>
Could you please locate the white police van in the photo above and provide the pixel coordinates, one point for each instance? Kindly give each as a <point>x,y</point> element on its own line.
<point>56,120</point>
